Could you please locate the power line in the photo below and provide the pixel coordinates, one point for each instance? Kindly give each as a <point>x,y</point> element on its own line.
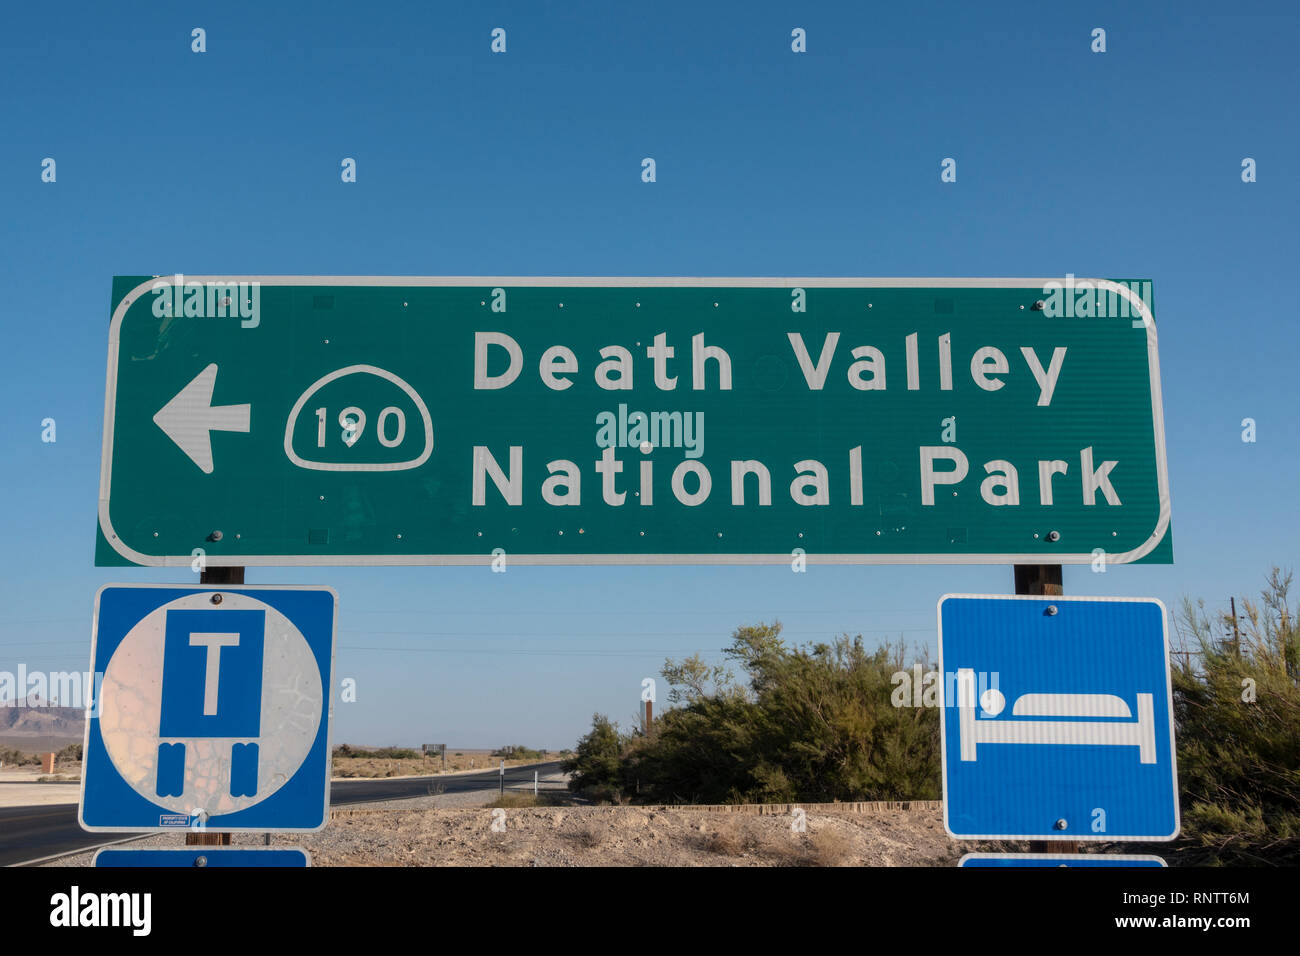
<point>641,612</point>
<point>528,635</point>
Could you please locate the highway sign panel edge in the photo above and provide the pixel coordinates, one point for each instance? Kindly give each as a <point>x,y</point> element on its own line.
<point>1169,703</point>
<point>327,712</point>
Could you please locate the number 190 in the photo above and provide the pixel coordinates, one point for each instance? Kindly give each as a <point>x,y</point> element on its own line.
<point>353,422</point>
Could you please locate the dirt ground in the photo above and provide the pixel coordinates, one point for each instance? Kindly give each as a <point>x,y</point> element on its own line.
<point>628,836</point>
<point>425,832</point>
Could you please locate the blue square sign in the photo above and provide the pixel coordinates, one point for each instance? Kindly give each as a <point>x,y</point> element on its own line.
<point>1057,719</point>
<point>212,709</point>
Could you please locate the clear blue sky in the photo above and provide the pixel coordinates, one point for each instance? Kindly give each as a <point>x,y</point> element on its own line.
<point>1123,164</point>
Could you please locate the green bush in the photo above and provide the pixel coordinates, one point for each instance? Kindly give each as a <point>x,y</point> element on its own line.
<point>595,768</point>
<point>812,723</point>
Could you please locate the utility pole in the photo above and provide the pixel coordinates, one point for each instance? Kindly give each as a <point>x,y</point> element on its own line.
<point>1236,632</point>
<point>1288,641</point>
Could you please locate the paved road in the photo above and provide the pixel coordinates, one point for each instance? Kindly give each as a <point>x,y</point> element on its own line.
<point>29,833</point>
<point>360,791</point>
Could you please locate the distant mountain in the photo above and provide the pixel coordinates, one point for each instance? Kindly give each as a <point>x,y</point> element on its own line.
<point>21,720</point>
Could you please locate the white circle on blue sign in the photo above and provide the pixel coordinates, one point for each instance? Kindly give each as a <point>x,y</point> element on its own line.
<point>201,734</point>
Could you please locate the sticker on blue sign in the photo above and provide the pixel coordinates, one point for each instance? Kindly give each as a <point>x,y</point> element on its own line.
<point>213,710</point>
<point>1057,719</point>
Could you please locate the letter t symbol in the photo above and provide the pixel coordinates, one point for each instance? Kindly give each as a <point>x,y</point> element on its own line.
<point>214,643</point>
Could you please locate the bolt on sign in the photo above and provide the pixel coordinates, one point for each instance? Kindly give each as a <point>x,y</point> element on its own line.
<point>260,420</point>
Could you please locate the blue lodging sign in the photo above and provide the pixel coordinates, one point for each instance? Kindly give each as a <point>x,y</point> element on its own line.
<point>1057,718</point>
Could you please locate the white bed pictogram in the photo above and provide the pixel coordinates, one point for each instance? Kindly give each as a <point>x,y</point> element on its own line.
<point>1109,728</point>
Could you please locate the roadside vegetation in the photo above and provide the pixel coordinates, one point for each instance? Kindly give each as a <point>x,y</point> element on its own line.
<point>1237,707</point>
<point>516,801</point>
<point>810,723</point>
<point>519,752</point>
<point>815,723</point>
<point>380,753</point>
<point>11,757</point>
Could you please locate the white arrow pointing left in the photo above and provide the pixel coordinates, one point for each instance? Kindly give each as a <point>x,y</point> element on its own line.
<point>190,418</point>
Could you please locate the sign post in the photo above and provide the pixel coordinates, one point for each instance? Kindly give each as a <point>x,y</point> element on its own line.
<point>440,749</point>
<point>1044,579</point>
<point>205,837</point>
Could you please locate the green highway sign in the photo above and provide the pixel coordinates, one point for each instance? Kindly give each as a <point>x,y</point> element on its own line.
<point>265,420</point>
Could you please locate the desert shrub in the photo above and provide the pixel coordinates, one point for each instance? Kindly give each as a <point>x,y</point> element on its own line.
<point>725,841</point>
<point>1238,731</point>
<point>828,846</point>
<point>595,768</point>
<point>516,801</point>
<point>518,752</point>
<point>812,724</point>
<point>590,834</point>
<point>17,758</point>
<point>381,753</point>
